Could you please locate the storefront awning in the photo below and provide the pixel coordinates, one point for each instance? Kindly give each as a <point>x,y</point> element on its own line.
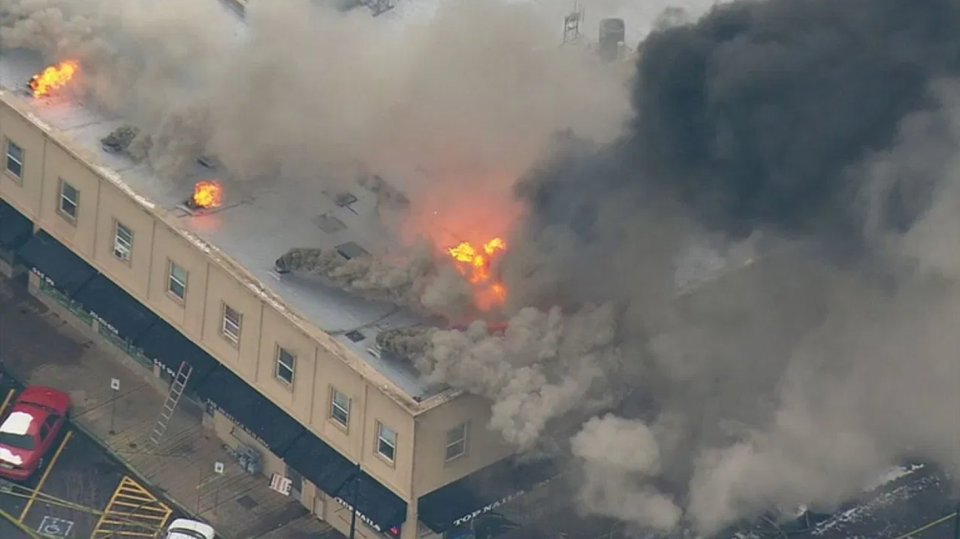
<point>55,263</point>
<point>320,463</point>
<point>167,346</point>
<point>120,311</point>
<point>482,492</point>
<point>250,410</point>
<point>376,505</point>
<point>332,473</point>
<point>15,228</point>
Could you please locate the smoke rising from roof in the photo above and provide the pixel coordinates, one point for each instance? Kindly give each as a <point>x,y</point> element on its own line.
<point>776,134</point>
<point>832,129</point>
<point>812,147</point>
<point>461,102</point>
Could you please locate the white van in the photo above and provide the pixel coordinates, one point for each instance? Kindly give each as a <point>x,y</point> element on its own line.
<point>184,528</point>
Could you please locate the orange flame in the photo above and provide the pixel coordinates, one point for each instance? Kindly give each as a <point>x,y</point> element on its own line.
<point>53,78</point>
<point>208,194</point>
<point>474,264</point>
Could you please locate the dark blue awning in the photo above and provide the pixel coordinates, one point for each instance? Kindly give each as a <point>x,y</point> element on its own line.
<point>55,263</point>
<point>120,311</point>
<point>15,228</point>
<point>330,471</point>
<point>321,464</point>
<point>251,410</point>
<point>376,505</point>
<point>482,491</point>
<point>168,347</point>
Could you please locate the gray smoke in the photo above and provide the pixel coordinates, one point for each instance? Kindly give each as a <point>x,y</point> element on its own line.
<point>413,281</point>
<point>804,154</point>
<point>807,147</point>
<point>623,463</point>
<point>543,366</point>
<point>820,354</point>
<point>307,93</point>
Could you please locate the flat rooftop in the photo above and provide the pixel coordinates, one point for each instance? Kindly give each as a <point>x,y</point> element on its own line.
<point>256,224</point>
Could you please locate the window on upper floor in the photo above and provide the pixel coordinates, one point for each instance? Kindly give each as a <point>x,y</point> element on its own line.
<point>122,242</point>
<point>457,442</point>
<point>340,407</point>
<point>286,365</point>
<point>14,160</point>
<point>177,281</point>
<point>386,442</point>
<point>232,322</point>
<point>69,201</point>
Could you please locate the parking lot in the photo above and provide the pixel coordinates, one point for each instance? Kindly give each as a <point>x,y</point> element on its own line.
<point>80,492</point>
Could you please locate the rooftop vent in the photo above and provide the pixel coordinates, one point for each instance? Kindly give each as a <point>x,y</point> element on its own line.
<point>328,223</point>
<point>209,161</point>
<point>351,250</point>
<point>355,336</point>
<point>119,139</point>
<point>345,199</point>
<point>386,193</point>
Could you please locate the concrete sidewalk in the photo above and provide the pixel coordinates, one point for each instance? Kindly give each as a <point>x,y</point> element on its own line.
<point>41,343</point>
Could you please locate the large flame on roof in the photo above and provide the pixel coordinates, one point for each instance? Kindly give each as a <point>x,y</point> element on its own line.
<point>207,194</point>
<point>474,263</point>
<point>53,78</point>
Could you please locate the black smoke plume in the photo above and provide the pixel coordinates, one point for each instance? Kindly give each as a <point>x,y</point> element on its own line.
<point>774,229</point>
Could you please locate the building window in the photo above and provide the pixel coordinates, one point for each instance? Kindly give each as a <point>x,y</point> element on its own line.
<point>69,200</point>
<point>386,442</point>
<point>177,283</point>
<point>122,242</point>
<point>457,442</point>
<point>286,363</point>
<point>232,320</point>
<point>340,407</point>
<point>14,160</point>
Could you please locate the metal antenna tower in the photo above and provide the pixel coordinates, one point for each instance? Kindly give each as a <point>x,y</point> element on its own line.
<point>571,23</point>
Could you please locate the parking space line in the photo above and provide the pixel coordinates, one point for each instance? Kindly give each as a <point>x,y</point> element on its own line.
<point>132,512</point>
<point>46,473</point>
<point>20,525</point>
<point>6,401</point>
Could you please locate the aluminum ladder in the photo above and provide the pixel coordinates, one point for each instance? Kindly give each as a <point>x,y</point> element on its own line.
<point>170,404</point>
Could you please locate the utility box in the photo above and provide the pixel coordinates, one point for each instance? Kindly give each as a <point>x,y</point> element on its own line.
<point>250,459</point>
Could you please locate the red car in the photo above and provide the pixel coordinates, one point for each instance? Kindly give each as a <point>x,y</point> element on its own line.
<point>29,430</point>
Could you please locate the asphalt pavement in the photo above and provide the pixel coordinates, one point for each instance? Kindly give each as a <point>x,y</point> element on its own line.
<point>80,492</point>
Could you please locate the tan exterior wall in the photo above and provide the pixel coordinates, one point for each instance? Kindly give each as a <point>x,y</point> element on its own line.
<point>200,316</point>
<point>116,208</point>
<point>22,193</point>
<point>60,168</point>
<point>330,374</point>
<point>296,398</point>
<point>483,447</point>
<point>224,292</point>
<point>397,474</point>
<point>185,314</point>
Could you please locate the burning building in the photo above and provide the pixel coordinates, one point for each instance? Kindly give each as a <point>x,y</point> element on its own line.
<point>296,297</point>
<point>292,270</point>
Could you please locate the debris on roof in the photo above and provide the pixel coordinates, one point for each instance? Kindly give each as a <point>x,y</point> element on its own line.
<point>408,343</point>
<point>351,268</point>
<point>387,194</point>
<point>209,161</point>
<point>298,259</point>
<point>119,139</point>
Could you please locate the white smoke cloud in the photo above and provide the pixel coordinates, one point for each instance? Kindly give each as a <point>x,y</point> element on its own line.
<point>620,457</point>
